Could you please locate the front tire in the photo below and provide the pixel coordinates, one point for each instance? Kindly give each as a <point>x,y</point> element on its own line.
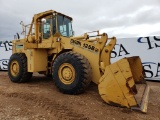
<point>17,68</point>
<point>71,72</point>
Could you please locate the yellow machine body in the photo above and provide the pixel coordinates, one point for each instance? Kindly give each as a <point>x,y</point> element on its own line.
<point>121,83</point>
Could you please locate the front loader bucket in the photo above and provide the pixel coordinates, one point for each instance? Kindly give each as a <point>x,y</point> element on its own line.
<point>123,84</point>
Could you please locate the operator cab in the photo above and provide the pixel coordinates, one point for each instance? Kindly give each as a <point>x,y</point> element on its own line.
<point>56,23</point>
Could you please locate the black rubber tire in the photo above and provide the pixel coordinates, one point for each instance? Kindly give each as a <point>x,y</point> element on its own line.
<point>23,75</point>
<point>82,69</point>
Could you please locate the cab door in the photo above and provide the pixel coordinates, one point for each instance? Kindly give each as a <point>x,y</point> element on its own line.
<point>47,30</point>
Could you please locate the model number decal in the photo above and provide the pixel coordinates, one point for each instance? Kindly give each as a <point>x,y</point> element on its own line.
<point>84,45</point>
<point>90,47</point>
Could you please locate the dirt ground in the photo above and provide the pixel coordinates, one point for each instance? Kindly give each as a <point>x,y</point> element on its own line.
<point>39,99</point>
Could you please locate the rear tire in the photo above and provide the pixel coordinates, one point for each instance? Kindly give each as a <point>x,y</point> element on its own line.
<point>71,73</point>
<point>17,68</point>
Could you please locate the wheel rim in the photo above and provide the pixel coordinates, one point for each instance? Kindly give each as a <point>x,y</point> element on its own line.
<point>66,73</point>
<point>14,68</point>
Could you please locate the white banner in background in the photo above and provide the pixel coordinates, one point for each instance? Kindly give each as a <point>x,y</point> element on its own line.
<point>5,53</point>
<point>148,48</point>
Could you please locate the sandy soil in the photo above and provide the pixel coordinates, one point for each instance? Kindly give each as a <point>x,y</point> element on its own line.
<point>39,99</point>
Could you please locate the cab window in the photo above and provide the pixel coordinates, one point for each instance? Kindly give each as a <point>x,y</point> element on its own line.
<point>64,26</point>
<point>47,29</point>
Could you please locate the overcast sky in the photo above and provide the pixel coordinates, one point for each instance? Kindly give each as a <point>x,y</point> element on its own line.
<point>120,18</point>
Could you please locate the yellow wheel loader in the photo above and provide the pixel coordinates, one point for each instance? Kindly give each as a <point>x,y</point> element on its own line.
<point>50,48</point>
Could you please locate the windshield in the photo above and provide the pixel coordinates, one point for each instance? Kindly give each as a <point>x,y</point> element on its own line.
<point>65,26</point>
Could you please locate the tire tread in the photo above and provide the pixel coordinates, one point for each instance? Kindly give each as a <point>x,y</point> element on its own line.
<point>86,70</point>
